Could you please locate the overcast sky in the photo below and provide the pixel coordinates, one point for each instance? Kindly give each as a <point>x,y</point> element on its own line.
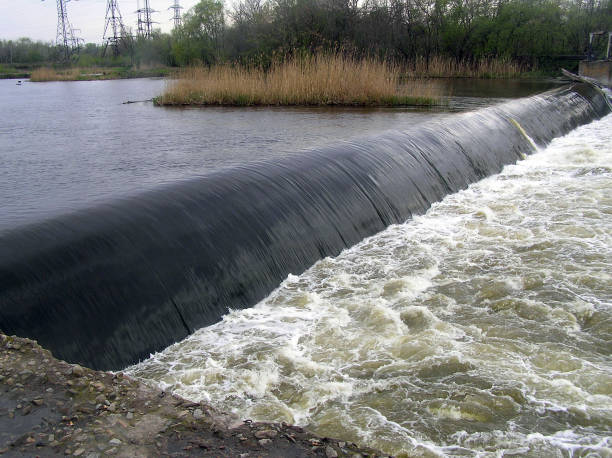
<point>37,19</point>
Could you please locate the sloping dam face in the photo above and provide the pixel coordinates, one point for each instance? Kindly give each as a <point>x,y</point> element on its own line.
<point>107,286</point>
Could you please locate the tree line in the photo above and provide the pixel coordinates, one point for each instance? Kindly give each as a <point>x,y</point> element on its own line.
<point>534,32</point>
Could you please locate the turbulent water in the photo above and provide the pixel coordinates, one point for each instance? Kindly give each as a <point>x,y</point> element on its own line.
<point>483,327</point>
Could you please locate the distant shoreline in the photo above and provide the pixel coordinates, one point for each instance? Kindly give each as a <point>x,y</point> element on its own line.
<point>45,74</point>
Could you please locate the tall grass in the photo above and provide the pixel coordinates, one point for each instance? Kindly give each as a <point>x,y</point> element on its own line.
<point>322,79</point>
<point>448,67</point>
<point>95,73</point>
<point>67,74</point>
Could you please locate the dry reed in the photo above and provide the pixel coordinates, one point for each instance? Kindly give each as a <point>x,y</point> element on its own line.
<point>324,79</point>
<point>68,74</point>
<point>446,67</point>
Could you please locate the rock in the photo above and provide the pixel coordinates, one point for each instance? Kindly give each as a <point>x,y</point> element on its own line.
<point>266,434</point>
<point>77,371</point>
<point>330,452</point>
<point>85,409</point>
<point>132,430</point>
<point>122,423</point>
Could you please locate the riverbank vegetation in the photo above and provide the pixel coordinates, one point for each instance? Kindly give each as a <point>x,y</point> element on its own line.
<point>428,38</point>
<point>95,73</point>
<point>320,79</point>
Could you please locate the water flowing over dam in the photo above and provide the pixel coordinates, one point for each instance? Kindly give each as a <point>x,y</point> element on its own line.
<point>108,285</point>
<point>481,328</point>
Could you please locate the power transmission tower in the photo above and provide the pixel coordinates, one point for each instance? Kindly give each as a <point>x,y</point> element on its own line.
<point>177,13</point>
<point>145,23</point>
<point>65,37</point>
<point>114,30</point>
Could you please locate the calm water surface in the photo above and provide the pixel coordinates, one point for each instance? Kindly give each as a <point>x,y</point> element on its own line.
<point>68,145</point>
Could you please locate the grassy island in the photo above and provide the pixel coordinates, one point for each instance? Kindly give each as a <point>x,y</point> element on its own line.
<point>316,80</point>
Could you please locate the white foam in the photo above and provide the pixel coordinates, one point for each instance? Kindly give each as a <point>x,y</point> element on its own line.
<point>494,304</point>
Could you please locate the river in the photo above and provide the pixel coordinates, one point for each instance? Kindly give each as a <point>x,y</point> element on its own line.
<point>481,328</point>
<point>69,145</point>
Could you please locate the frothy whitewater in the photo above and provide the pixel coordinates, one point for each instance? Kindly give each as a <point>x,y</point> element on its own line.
<point>483,327</point>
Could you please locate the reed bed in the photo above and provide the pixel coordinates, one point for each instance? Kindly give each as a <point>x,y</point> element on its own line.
<point>96,73</point>
<point>446,67</point>
<point>318,80</point>
<point>67,74</point>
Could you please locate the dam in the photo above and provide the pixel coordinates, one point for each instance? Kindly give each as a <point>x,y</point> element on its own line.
<point>381,289</point>
<point>108,285</point>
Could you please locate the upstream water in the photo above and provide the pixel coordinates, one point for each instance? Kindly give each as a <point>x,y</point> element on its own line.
<point>482,328</point>
<point>66,146</point>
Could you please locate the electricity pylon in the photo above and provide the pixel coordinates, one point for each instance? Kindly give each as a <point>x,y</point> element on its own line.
<point>177,13</point>
<point>65,37</point>
<point>145,23</point>
<point>114,30</point>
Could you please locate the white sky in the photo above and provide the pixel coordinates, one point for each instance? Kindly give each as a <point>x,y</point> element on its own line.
<point>37,19</point>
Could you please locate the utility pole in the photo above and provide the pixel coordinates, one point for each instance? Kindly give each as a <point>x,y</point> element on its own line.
<point>145,23</point>
<point>114,30</point>
<point>177,14</point>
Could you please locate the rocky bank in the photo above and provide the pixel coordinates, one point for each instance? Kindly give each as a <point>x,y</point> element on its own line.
<point>52,408</point>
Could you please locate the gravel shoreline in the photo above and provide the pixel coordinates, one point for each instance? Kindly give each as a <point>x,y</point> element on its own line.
<point>52,408</point>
